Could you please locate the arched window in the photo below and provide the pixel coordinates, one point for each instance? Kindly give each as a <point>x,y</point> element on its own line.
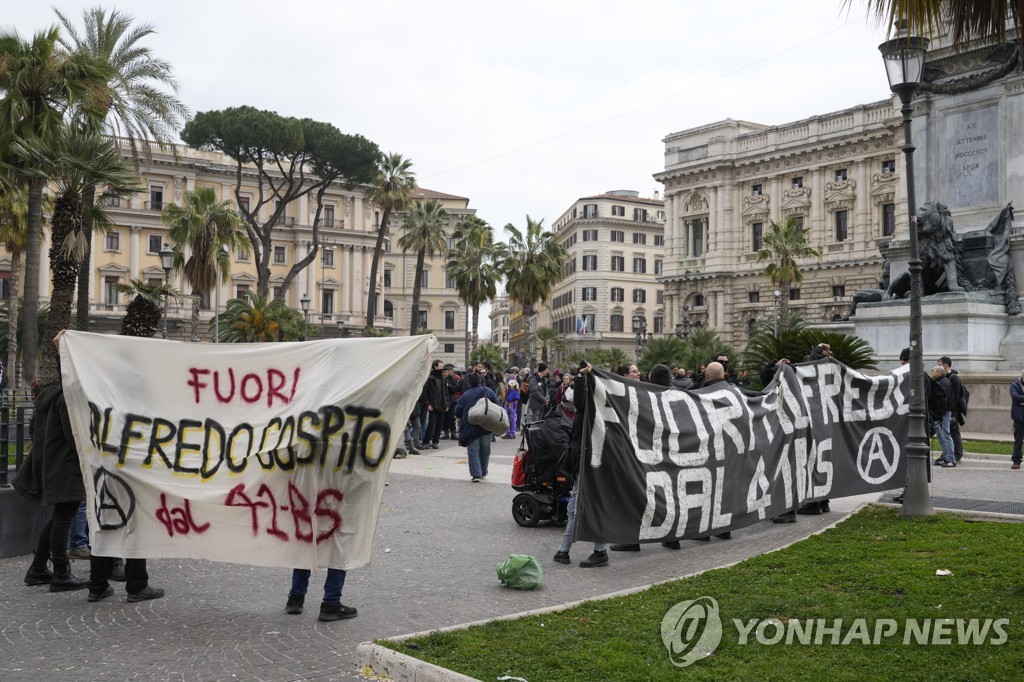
<point>389,309</point>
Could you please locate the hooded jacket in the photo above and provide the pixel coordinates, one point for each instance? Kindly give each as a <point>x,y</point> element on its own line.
<point>51,474</point>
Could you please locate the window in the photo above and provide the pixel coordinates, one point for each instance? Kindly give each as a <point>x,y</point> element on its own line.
<point>504,337</point>
<point>658,266</point>
<point>659,324</point>
<point>794,294</point>
<point>113,241</point>
<point>110,290</point>
<point>387,278</point>
<point>449,319</point>
<point>640,265</point>
<point>799,220</point>
<point>449,348</point>
<point>449,280</point>
<point>425,280</point>
<point>695,228</point>
<point>839,291</point>
<point>751,328</point>
<point>240,290</point>
<point>639,296</point>
<point>841,227</point>
<point>5,286</point>
<point>618,235</point>
<point>328,218</point>
<point>241,255</point>
<point>156,198</point>
<point>278,292</point>
<point>661,215</point>
<point>618,263</point>
<point>756,190</point>
<point>640,215</point>
<point>659,240</point>
<point>618,294</point>
<point>619,211</point>
<point>590,262</point>
<point>504,320</point>
<point>590,235</point>
<point>389,309</point>
<point>328,258</point>
<point>639,238</point>
<point>280,255</point>
<point>589,211</point>
<point>698,300</point>
<point>888,219</point>
<point>840,174</point>
<point>156,242</point>
<point>797,182</point>
<point>327,302</point>
<point>616,321</point>
<point>387,246</point>
<point>754,296</point>
<point>423,320</point>
<point>659,297</point>
<point>756,230</point>
<point>243,203</point>
<point>589,293</point>
<point>889,166</point>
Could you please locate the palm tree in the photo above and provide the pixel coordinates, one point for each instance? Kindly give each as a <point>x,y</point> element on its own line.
<point>782,246</point>
<point>472,265</point>
<point>204,225</point>
<point>392,191</point>
<point>425,234</point>
<point>140,102</point>
<point>38,84</point>
<point>10,335</point>
<point>967,19</point>
<point>795,340</point>
<point>254,318</point>
<point>145,307</point>
<point>13,235</point>
<point>73,160</point>
<point>548,338</point>
<point>532,264</point>
<point>487,352</point>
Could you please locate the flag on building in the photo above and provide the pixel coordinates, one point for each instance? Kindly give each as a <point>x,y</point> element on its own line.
<point>581,325</point>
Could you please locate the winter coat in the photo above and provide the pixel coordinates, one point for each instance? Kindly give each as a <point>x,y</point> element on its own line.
<point>435,391</point>
<point>1017,400</point>
<point>538,393</point>
<point>947,393</point>
<point>51,473</point>
<point>470,432</point>
<point>582,423</point>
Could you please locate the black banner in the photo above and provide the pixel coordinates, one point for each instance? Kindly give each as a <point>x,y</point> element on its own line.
<point>665,464</point>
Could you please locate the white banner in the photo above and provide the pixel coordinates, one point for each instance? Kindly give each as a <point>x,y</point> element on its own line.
<point>271,454</point>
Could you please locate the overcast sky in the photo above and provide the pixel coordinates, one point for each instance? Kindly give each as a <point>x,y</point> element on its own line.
<point>523,108</point>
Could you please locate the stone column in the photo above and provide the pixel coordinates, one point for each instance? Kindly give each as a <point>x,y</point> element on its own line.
<point>133,252</point>
<point>817,216</point>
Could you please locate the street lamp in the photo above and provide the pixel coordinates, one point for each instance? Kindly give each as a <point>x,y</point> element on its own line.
<point>640,329</point>
<point>304,303</point>
<point>683,329</point>
<point>222,254</point>
<point>904,64</point>
<point>778,297</point>
<point>166,262</point>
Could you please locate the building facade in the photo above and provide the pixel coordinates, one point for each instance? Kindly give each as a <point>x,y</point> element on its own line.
<point>616,252</point>
<point>500,317</point>
<point>837,174</point>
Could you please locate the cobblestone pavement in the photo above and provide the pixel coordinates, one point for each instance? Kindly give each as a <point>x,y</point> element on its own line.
<point>437,544</point>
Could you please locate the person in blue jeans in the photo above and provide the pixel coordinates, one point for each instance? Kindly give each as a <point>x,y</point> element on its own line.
<point>945,390</point>
<point>78,542</point>
<point>331,608</point>
<point>476,439</point>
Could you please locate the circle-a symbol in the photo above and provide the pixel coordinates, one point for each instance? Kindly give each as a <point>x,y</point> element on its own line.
<point>878,445</point>
<point>691,630</point>
<point>115,500</point>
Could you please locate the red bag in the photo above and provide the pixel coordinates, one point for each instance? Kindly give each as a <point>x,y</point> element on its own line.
<point>519,468</point>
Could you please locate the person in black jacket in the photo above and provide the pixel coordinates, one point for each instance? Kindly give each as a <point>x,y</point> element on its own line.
<point>959,407</point>
<point>945,389</point>
<point>435,402</point>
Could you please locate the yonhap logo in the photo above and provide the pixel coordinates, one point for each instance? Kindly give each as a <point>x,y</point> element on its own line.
<point>691,630</point>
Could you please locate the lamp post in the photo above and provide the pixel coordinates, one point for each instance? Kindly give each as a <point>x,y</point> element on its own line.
<point>683,329</point>
<point>640,329</point>
<point>304,303</point>
<point>904,64</point>
<point>778,297</point>
<point>222,254</point>
<point>166,262</point>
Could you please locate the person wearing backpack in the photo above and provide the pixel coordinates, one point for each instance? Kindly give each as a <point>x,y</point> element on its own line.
<point>1017,414</point>
<point>961,396</point>
<point>942,396</point>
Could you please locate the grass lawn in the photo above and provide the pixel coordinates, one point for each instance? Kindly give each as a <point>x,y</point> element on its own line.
<point>874,566</point>
<point>983,447</point>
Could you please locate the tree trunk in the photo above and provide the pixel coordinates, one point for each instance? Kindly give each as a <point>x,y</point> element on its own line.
<point>13,376</point>
<point>784,288</point>
<point>371,294</point>
<point>33,245</point>
<point>66,220</point>
<point>195,316</point>
<point>476,326</point>
<point>414,324</point>
<point>82,318</point>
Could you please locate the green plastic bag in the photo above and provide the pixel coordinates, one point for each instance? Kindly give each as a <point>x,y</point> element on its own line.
<point>520,572</point>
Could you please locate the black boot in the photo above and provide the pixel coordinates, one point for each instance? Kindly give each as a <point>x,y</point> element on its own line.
<point>63,579</point>
<point>38,573</point>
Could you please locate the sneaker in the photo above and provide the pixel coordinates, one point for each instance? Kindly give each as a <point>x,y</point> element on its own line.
<point>625,548</point>
<point>562,557</point>
<point>331,612</point>
<point>294,605</point>
<point>812,508</point>
<point>414,451</point>
<point>725,536</point>
<point>147,593</point>
<point>825,507</point>
<point>100,596</point>
<point>899,498</point>
<point>948,465</point>
<point>400,455</point>
<point>434,446</point>
<point>937,461</point>
<point>1015,465</point>
<point>475,479</point>
<point>788,517</point>
<point>595,559</point>
<point>80,552</point>
<point>673,544</point>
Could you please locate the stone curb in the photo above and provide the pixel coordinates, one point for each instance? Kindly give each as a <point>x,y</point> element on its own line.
<point>387,664</point>
<point>985,515</point>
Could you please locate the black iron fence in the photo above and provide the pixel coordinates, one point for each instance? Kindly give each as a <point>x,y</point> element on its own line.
<point>15,415</point>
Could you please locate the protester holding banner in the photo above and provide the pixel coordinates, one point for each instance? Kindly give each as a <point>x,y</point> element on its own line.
<point>581,425</point>
<point>331,608</point>
<point>476,439</point>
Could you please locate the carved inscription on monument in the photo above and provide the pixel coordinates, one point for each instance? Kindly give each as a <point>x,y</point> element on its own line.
<point>972,158</point>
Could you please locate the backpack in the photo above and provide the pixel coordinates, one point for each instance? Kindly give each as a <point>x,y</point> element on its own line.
<point>524,389</point>
<point>965,399</point>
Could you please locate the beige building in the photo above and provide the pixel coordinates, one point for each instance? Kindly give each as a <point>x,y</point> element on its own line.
<point>336,283</point>
<point>500,317</point>
<point>616,252</point>
<point>838,174</point>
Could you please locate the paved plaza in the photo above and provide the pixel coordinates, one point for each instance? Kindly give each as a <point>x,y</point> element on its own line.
<point>437,544</point>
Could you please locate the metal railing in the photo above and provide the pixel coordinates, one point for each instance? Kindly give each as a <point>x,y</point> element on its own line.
<point>15,415</point>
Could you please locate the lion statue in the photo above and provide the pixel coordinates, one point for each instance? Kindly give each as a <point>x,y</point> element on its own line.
<point>937,244</point>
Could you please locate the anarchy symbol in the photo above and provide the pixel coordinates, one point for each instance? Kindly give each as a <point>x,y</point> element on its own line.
<point>878,445</point>
<point>115,501</point>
